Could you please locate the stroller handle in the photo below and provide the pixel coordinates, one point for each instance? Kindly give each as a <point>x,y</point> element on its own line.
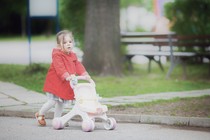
<point>82,78</point>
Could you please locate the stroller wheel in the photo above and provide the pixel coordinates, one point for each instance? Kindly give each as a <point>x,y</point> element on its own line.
<point>57,124</point>
<point>110,124</point>
<point>88,125</point>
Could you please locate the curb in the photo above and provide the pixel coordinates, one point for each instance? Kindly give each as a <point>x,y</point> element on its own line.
<point>127,118</point>
<point>166,120</point>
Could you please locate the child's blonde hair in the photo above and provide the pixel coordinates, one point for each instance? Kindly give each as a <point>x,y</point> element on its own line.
<point>60,36</point>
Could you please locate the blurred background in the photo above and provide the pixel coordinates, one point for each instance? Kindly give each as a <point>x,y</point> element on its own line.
<point>26,44</point>
<point>159,16</point>
<point>135,15</point>
<point>101,34</point>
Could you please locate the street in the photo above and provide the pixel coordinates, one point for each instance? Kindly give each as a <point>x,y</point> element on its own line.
<point>14,128</point>
<point>17,52</point>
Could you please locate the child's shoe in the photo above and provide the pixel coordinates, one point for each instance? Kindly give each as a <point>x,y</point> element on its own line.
<point>40,119</point>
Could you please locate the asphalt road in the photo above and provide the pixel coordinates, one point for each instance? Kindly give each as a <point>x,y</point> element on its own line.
<point>18,52</point>
<point>13,128</point>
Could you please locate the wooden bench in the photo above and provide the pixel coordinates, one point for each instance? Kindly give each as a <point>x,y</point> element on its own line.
<point>179,48</point>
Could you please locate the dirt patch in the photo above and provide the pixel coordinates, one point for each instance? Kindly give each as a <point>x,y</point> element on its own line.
<point>194,107</point>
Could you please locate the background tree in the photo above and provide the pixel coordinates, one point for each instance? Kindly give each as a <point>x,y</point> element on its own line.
<point>102,37</point>
<point>148,4</point>
<point>12,17</point>
<point>72,17</point>
<point>189,16</point>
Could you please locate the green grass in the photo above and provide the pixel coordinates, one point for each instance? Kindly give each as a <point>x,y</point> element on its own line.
<point>185,107</point>
<point>137,82</point>
<point>159,102</point>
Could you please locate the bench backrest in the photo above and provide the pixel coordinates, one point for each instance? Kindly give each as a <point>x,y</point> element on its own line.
<point>170,39</point>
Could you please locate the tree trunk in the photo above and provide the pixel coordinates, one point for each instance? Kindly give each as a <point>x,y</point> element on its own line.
<point>102,38</point>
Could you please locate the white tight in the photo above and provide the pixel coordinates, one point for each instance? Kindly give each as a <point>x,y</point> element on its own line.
<point>50,104</point>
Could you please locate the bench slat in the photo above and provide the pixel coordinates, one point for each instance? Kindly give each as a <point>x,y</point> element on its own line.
<point>161,53</point>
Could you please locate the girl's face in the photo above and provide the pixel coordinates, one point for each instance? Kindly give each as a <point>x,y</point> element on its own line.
<point>67,44</point>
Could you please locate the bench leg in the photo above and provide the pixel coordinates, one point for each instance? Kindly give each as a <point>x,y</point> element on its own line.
<point>170,70</point>
<point>178,60</point>
<point>184,68</point>
<point>130,66</point>
<point>157,61</point>
<point>174,62</point>
<point>160,65</point>
<point>149,65</point>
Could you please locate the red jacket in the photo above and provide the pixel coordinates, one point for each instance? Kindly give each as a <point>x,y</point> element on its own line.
<point>61,67</point>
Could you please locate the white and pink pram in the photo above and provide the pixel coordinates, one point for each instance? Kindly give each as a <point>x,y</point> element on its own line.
<point>87,106</point>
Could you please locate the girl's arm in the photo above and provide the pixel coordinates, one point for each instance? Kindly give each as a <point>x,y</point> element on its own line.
<point>59,67</point>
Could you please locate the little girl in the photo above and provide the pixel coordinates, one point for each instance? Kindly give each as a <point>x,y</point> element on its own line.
<point>63,68</point>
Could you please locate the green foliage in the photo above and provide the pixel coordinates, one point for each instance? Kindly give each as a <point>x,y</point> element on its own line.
<point>34,68</point>
<point>140,29</point>
<point>8,7</point>
<point>189,16</point>
<point>158,102</point>
<point>11,14</point>
<point>141,3</point>
<point>72,17</point>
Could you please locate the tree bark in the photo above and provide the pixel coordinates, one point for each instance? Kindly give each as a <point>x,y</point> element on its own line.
<point>102,53</point>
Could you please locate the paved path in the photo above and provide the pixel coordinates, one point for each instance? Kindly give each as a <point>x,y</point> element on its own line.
<point>18,101</point>
<point>40,52</point>
<point>16,128</point>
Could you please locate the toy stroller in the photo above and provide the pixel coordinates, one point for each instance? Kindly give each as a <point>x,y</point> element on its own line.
<point>87,106</point>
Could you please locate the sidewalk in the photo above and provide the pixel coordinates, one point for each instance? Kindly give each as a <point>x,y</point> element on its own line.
<point>20,102</point>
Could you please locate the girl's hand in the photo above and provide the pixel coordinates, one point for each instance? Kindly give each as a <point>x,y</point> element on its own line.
<point>69,78</point>
<point>87,77</point>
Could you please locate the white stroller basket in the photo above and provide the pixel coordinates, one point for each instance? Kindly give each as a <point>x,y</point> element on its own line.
<point>87,106</point>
